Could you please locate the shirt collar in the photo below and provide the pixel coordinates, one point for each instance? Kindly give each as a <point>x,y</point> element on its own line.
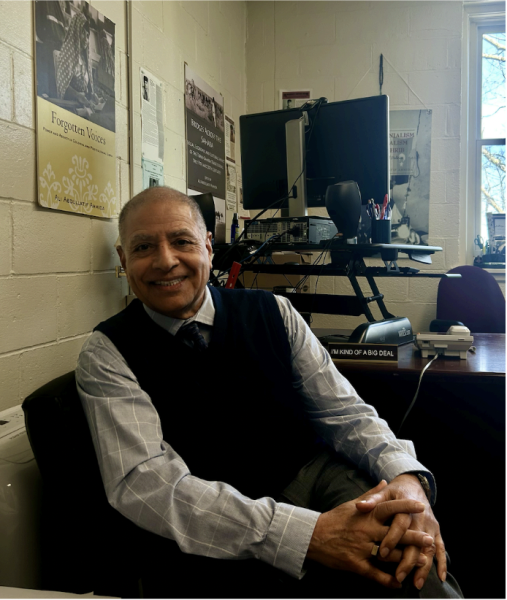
<point>205,315</point>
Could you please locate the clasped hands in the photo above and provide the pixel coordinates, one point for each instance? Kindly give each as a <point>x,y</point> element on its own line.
<point>343,537</point>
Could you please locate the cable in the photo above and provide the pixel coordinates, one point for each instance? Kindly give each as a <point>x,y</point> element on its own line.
<point>315,263</point>
<point>317,106</point>
<point>280,201</point>
<point>416,393</point>
<point>381,73</point>
<point>250,256</point>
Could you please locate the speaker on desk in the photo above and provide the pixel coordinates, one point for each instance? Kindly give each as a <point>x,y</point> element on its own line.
<point>343,204</point>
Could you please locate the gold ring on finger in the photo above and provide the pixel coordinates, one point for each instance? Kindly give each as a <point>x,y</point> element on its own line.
<point>374,550</point>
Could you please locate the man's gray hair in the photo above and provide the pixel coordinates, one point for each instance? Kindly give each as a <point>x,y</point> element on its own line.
<point>160,193</point>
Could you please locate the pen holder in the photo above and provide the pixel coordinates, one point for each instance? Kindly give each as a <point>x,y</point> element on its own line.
<point>380,231</point>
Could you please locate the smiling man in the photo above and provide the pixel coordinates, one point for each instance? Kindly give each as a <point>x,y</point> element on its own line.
<point>166,253</point>
<point>281,474</point>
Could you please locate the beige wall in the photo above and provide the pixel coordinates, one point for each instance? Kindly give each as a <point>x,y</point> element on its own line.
<point>57,276</point>
<point>210,38</point>
<point>334,49</point>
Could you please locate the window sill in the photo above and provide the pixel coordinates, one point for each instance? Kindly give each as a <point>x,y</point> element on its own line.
<point>498,274</point>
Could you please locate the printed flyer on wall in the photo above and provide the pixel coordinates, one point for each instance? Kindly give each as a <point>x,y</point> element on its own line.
<point>75,71</point>
<point>294,98</point>
<point>232,200</point>
<point>152,117</point>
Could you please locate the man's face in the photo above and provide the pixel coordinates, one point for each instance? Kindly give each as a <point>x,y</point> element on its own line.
<point>165,257</point>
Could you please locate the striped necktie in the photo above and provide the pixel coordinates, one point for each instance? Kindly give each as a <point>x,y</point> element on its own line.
<point>190,333</point>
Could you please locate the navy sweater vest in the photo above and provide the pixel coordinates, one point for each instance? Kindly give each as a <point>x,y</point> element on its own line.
<point>230,412</point>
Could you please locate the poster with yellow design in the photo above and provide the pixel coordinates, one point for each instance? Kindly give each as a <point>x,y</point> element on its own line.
<point>75,70</point>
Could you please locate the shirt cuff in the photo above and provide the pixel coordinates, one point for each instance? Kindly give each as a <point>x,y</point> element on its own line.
<point>288,538</point>
<point>398,464</point>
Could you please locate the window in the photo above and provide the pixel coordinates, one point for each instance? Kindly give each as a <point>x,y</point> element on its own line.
<point>487,119</point>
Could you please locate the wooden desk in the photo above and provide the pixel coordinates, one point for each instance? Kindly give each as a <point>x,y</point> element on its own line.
<point>487,362</point>
<point>458,427</point>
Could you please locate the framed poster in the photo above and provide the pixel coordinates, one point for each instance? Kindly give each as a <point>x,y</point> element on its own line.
<point>205,130</point>
<point>75,72</point>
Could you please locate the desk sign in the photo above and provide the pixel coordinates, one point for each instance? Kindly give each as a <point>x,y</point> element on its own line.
<point>377,353</point>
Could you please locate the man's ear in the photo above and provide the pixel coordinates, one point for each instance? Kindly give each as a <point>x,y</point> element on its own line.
<point>209,247</point>
<point>123,259</point>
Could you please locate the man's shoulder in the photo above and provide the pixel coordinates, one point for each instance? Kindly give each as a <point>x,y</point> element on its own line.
<point>243,298</point>
<point>96,345</point>
<point>131,312</point>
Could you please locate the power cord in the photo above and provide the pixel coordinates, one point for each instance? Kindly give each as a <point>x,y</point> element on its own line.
<point>416,392</point>
<point>292,230</point>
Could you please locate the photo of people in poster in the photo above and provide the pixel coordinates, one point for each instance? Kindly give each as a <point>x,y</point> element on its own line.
<point>75,59</point>
<point>205,127</point>
<point>75,74</point>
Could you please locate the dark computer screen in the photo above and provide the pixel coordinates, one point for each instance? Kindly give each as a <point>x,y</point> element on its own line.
<point>346,140</point>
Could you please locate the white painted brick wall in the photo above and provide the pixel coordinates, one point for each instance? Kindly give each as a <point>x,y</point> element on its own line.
<point>6,77</point>
<point>85,300</point>
<point>28,314</point>
<point>10,374</point>
<point>23,102</point>
<point>35,363</point>
<point>34,248</point>
<point>5,238</point>
<point>17,157</point>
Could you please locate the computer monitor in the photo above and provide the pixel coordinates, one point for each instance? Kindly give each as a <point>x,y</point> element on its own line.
<point>346,140</point>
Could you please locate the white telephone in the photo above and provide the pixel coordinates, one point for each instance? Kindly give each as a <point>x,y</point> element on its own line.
<point>455,342</point>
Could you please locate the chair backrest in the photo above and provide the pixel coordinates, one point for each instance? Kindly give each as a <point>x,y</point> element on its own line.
<point>476,300</point>
<point>206,203</point>
<point>86,544</point>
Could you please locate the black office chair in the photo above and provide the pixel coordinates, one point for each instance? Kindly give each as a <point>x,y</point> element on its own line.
<point>86,544</point>
<point>89,546</point>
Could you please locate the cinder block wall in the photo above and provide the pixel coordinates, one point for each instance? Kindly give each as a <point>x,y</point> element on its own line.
<point>210,38</point>
<point>57,276</point>
<point>334,49</point>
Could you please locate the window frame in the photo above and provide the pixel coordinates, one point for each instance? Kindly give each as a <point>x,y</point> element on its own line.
<point>480,18</point>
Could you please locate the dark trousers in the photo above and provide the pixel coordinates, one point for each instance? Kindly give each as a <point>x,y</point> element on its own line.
<point>322,484</point>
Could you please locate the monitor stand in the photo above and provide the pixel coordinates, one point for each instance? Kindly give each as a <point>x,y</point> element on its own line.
<point>396,331</point>
<point>296,175</point>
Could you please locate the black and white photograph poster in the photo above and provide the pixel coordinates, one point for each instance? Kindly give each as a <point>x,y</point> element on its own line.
<point>204,113</point>
<point>410,160</point>
<point>75,74</point>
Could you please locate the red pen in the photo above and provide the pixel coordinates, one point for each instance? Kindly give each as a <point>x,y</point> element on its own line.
<point>384,206</point>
